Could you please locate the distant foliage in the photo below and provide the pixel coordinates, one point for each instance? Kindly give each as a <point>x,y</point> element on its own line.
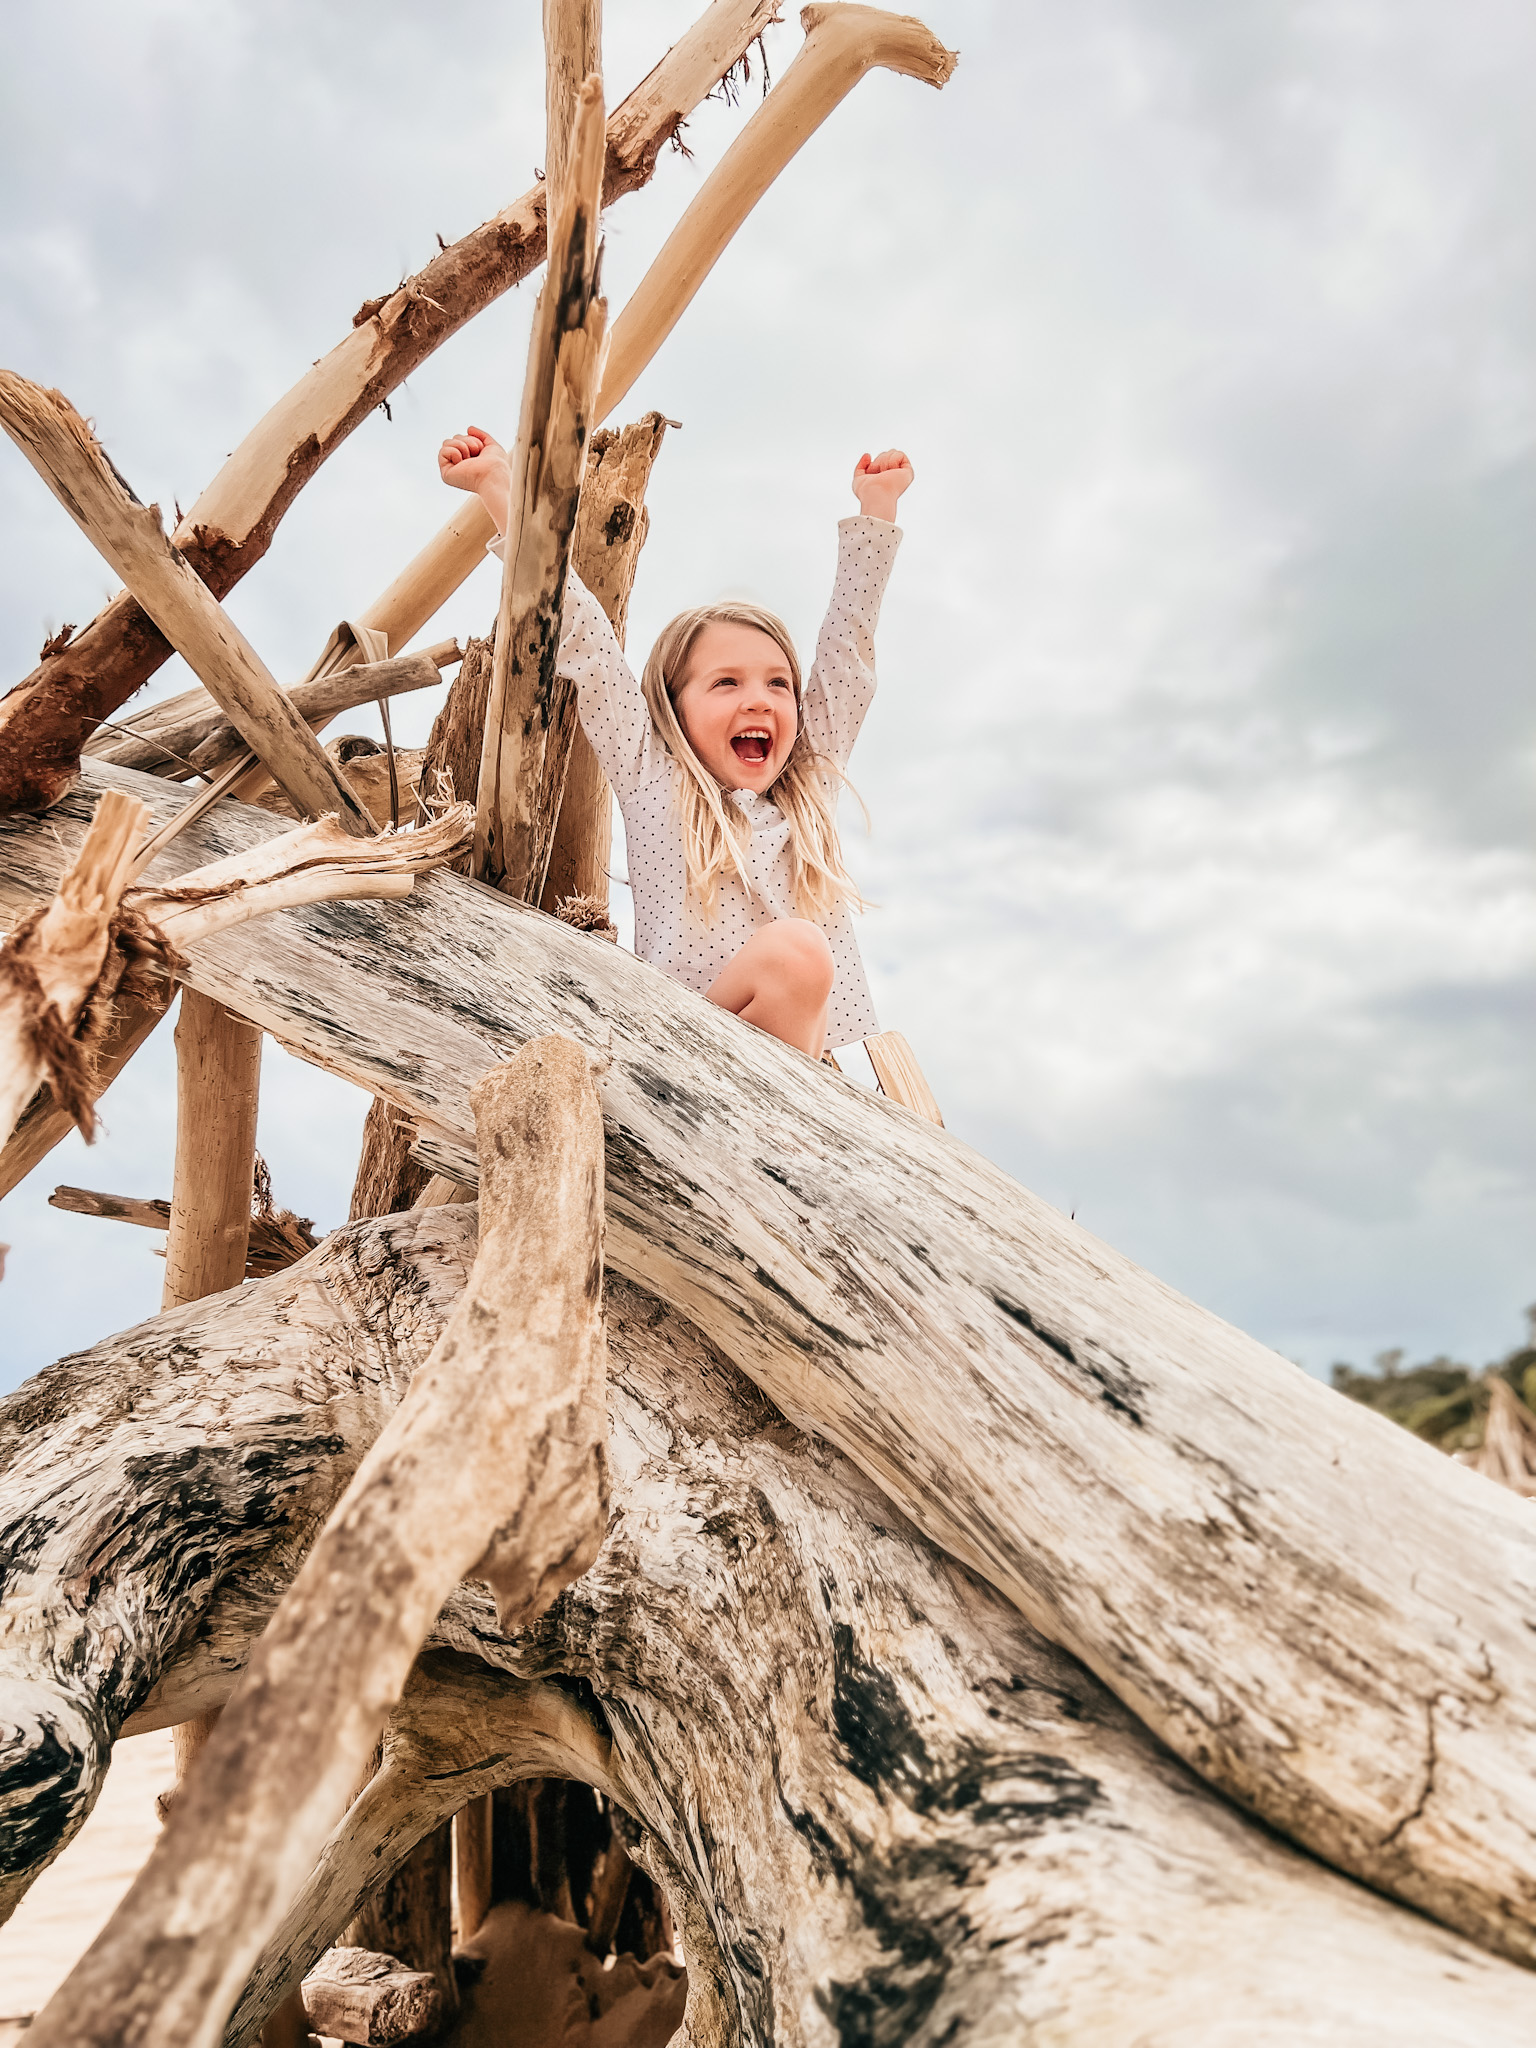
<point>1445,1403</point>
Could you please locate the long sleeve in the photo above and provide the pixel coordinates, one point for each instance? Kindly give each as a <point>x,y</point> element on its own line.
<point>612,708</point>
<point>841,685</point>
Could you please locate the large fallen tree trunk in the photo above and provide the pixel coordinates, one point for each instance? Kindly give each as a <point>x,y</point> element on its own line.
<point>1327,1619</point>
<point>44,720</point>
<point>886,1809</point>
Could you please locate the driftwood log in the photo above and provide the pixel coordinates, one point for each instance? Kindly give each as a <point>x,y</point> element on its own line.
<point>1323,1616</point>
<point>44,720</point>
<point>523,748</point>
<point>886,1810</point>
<point>494,1461</point>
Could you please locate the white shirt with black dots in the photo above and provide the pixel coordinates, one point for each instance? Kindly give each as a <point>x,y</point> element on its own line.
<point>671,931</point>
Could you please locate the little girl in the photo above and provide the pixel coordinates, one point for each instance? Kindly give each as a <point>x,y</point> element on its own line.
<point>727,771</point>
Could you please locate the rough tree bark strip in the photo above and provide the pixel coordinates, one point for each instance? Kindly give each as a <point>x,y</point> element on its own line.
<point>494,1462</point>
<point>885,1808</point>
<point>46,717</point>
<point>45,1122</point>
<point>842,42</point>
<point>47,974</point>
<point>611,528</point>
<point>846,41</point>
<point>512,832</point>
<point>1326,1617</point>
<point>218,1084</point>
<point>65,454</point>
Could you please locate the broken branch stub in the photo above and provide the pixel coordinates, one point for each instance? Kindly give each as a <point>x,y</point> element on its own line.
<point>494,1463</point>
<point>66,455</point>
<point>513,831</point>
<point>46,717</point>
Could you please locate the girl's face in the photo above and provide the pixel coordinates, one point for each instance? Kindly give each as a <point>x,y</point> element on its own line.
<point>737,705</point>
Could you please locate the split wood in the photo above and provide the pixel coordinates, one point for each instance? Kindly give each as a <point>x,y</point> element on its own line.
<point>70,460</point>
<point>866,1782</point>
<point>1322,1615</point>
<point>494,1464</point>
<point>276,1239</point>
<point>44,720</point>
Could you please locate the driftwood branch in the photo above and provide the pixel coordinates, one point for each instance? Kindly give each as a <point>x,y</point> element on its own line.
<point>44,720</point>
<point>512,833</point>
<point>190,732</point>
<point>218,1083</point>
<point>573,53</point>
<point>47,1121</point>
<point>276,1239</point>
<point>494,1461</point>
<point>842,43</point>
<point>1124,1466</point>
<point>879,1799</point>
<point>69,459</point>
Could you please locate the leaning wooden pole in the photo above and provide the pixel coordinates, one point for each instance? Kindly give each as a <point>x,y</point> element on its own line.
<point>227,531</point>
<point>843,42</point>
<point>218,1079</point>
<point>66,454</point>
<point>512,831</point>
<point>494,1464</point>
<point>611,529</point>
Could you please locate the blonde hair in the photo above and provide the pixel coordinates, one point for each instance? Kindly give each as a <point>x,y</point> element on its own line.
<point>715,835</point>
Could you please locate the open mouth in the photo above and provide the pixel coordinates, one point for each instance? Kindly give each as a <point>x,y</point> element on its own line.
<point>752,747</point>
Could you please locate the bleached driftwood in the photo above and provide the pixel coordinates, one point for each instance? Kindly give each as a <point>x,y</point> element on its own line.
<point>66,455</point>
<point>512,830</point>
<point>493,1462</point>
<point>356,1995</point>
<point>218,1086</point>
<point>191,732</point>
<point>842,43</point>
<point>46,717</point>
<point>276,1240</point>
<point>573,53</point>
<point>876,1794</point>
<point>611,527</point>
<point>1321,1614</point>
<point>51,968</point>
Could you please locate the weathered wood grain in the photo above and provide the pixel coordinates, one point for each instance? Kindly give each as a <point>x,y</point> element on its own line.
<point>218,1089</point>
<point>493,1462</point>
<point>526,747</point>
<point>885,1809</point>
<point>611,528</point>
<point>1327,1619</point>
<point>46,717</point>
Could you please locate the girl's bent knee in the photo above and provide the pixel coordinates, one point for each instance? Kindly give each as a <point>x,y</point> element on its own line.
<point>804,952</point>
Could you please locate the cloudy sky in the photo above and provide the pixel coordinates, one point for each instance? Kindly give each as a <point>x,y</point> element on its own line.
<point>1201,767</point>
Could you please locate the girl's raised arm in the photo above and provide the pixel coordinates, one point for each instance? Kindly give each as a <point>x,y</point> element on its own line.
<point>608,696</point>
<point>841,684</point>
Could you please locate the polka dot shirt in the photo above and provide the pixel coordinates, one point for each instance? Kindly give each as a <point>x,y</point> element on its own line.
<point>671,931</point>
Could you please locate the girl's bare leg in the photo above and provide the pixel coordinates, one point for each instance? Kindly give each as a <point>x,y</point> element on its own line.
<point>781,981</point>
